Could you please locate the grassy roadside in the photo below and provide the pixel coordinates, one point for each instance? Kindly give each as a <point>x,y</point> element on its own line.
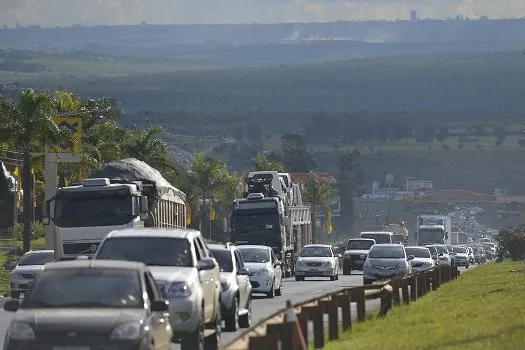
<point>483,309</point>
<point>4,274</point>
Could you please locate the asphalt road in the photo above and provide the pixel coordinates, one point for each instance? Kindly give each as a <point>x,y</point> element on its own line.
<point>262,306</point>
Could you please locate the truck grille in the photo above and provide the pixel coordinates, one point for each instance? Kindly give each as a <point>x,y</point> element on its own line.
<point>80,248</point>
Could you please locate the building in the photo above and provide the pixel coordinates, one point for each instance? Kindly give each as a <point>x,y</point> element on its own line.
<point>413,15</point>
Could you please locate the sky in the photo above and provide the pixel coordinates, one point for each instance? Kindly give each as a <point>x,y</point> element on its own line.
<point>52,13</point>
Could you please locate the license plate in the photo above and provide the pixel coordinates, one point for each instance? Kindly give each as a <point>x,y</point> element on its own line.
<point>70,347</point>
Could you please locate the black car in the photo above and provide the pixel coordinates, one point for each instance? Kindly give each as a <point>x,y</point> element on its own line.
<point>90,304</point>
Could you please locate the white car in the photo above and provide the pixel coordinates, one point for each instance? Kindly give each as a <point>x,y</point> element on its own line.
<point>444,255</point>
<point>461,257</point>
<point>186,273</point>
<point>266,275</point>
<point>317,260</point>
<point>27,268</point>
<point>422,258</point>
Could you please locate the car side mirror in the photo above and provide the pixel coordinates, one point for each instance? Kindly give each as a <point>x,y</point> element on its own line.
<point>12,305</point>
<point>159,305</point>
<point>10,266</point>
<point>411,257</point>
<point>243,272</point>
<point>276,263</point>
<point>46,221</point>
<point>206,264</point>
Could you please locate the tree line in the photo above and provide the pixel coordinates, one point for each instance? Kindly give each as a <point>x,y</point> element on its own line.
<point>27,129</point>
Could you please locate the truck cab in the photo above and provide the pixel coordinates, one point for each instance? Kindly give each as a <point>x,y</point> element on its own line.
<point>83,214</point>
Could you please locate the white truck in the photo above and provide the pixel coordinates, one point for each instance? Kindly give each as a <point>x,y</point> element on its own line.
<point>433,229</point>
<point>123,194</point>
<point>400,232</point>
<point>263,217</point>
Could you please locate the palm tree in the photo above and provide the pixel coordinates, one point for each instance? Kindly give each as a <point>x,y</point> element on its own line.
<point>28,124</point>
<point>317,194</point>
<point>261,162</point>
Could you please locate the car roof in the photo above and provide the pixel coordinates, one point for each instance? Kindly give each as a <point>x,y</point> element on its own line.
<point>389,245</point>
<point>156,232</point>
<point>416,247</point>
<point>318,245</point>
<point>40,251</point>
<point>219,247</point>
<point>95,264</point>
<point>252,246</point>
<point>361,239</point>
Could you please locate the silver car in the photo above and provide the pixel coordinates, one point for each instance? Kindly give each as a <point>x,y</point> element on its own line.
<point>317,260</point>
<point>266,275</point>
<point>27,268</point>
<point>422,258</point>
<point>386,261</point>
<point>236,290</point>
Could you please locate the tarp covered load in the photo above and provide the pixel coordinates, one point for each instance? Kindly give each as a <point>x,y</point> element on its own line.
<point>131,169</point>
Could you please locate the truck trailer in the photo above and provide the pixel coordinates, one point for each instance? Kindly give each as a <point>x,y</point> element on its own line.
<point>265,217</point>
<point>123,194</point>
<point>433,229</point>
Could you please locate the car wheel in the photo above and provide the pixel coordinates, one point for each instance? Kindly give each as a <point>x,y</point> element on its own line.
<point>245,321</point>
<point>271,293</point>
<point>299,278</point>
<point>195,339</point>
<point>15,295</point>
<point>214,341</point>
<point>279,292</point>
<point>337,275</point>
<point>232,321</point>
<point>332,278</point>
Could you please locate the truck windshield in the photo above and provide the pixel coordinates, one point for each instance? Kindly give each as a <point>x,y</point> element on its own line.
<point>380,238</point>
<point>431,236</point>
<point>96,210</point>
<point>245,223</point>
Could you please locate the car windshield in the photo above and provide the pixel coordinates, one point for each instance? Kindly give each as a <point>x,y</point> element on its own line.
<point>255,255</point>
<point>380,238</point>
<point>418,252</point>
<point>86,288</point>
<point>441,249</point>
<point>224,259</point>
<point>153,251</point>
<point>382,252</point>
<point>460,250</point>
<point>36,259</point>
<point>360,244</point>
<point>315,251</point>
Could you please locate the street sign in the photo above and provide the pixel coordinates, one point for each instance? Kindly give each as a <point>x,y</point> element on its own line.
<point>75,126</point>
<point>389,178</point>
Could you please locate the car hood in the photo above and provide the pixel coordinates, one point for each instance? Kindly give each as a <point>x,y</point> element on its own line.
<point>385,262</point>
<point>173,273</point>
<point>32,269</point>
<point>254,267</point>
<point>421,261</point>
<point>356,252</point>
<point>93,320</point>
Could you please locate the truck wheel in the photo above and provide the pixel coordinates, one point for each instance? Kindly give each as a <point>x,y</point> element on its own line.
<point>213,342</point>
<point>232,321</point>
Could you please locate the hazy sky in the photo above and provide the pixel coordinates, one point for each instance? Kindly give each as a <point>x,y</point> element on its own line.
<point>89,12</point>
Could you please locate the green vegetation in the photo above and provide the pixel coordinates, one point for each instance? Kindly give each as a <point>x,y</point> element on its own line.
<point>511,244</point>
<point>483,309</point>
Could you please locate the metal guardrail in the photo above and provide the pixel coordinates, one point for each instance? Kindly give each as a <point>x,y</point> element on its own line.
<point>275,333</point>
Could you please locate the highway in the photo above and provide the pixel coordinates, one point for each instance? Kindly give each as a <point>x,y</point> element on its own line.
<point>263,307</point>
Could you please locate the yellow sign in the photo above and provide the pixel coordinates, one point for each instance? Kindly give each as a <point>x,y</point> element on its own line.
<point>75,126</point>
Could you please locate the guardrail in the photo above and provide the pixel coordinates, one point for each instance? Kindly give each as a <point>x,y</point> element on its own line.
<point>275,332</point>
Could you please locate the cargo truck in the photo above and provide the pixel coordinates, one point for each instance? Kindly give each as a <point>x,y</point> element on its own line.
<point>123,194</point>
<point>433,229</point>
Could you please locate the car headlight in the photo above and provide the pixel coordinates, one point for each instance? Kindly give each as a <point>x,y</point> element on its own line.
<point>300,263</point>
<point>15,275</point>
<point>178,290</point>
<point>225,285</point>
<point>127,331</point>
<point>20,331</point>
<point>264,271</point>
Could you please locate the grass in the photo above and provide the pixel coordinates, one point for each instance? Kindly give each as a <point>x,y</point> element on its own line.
<point>4,256</point>
<point>483,309</point>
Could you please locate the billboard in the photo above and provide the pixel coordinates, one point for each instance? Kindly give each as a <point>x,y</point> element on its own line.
<point>420,185</point>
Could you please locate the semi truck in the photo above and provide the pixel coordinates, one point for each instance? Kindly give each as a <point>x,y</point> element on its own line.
<point>265,217</point>
<point>123,194</point>
<point>400,232</point>
<point>433,229</point>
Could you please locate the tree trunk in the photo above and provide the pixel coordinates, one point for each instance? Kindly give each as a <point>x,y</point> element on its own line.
<point>312,218</point>
<point>27,187</point>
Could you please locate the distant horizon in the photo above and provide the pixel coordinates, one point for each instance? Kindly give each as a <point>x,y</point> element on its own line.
<point>66,13</point>
<point>144,23</point>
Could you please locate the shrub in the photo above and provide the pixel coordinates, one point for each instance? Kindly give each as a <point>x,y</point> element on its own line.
<point>511,244</point>
<point>38,229</point>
